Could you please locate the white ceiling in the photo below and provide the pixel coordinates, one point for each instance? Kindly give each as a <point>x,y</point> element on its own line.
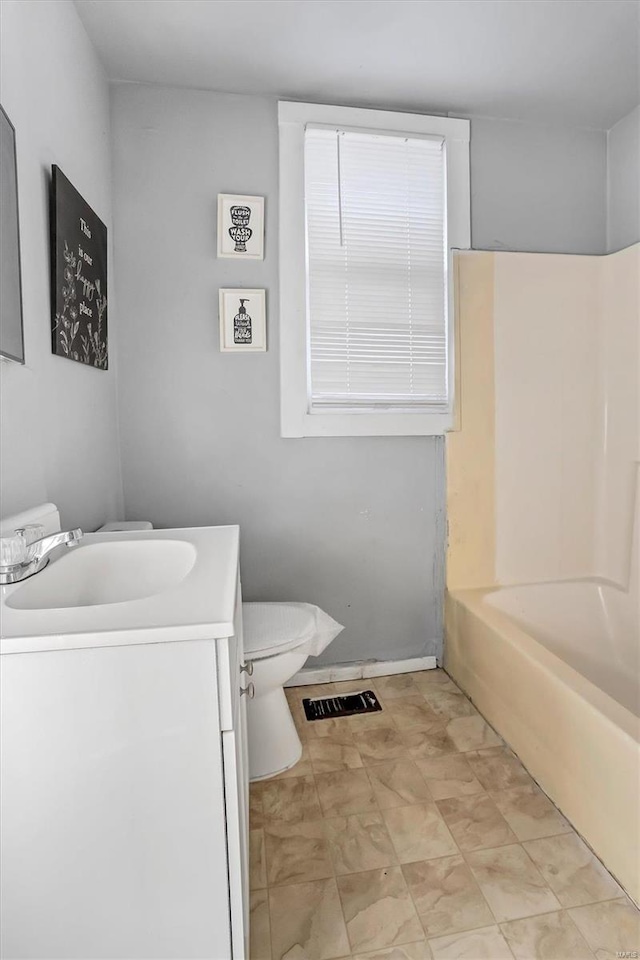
<point>574,61</point>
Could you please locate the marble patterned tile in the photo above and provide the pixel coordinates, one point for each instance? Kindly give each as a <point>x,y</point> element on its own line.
<point>404,951</point>
<point>475,822</point>
<point>256,815</point>
<point>359,843</point>
<point>552,936</point>
<point>446,896</point>
<point>484,944</point>
<point>370,721</point>
<point>257,863</point>
<point>429,678</point>
<point>530,813</point>
<point>447,703</point>
<point>260,932</point>
<point>327,755</point>
<point>399,685</point>
<point>310,691</point>
<point>337,730</point>
<point>345,792</point>
<point>397,784</point>
<point>303,768</point>
<point>381,743</point>
<point>427,744</point>
<point>498,769</point>
<point>449,776</point>
<point>307,922</point>
<point>418,832</point>
<point>432,742</point>
<point>612,928</point>
<point>412,713</point>
<point>378,909</point>
<point>512,885</point>
<point>297,852</point>
<point>295,696</point>
<point>472,733</point>
<point>574,874</point>
<point>353,686</point>
<point>293,799</point>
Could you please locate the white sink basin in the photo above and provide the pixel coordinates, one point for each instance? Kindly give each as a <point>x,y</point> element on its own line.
<point>106,573</point>
<point>148,586</point>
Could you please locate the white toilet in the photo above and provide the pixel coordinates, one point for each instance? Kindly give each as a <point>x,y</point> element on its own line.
<point>278,638</point>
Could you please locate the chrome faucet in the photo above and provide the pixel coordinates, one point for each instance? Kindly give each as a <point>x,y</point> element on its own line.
<point>37,554</point>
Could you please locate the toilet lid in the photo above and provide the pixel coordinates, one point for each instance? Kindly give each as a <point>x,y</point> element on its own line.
<point>271,627</point>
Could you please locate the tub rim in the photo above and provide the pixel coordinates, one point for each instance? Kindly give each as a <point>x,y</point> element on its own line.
<point>474,599</point>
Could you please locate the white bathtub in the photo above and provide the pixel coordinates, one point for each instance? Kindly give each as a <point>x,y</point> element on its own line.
<point>555,668</point>
<point>590,624</point>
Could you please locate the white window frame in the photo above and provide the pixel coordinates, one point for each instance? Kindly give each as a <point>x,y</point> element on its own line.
<point>296,418</point>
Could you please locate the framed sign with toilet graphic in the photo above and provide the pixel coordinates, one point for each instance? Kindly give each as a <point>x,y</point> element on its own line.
<point>240,227</point>
<point>243,321</point>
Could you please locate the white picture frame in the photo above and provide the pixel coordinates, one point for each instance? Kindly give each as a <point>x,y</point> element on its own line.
<point>243,329</point>
<point>240,227</point>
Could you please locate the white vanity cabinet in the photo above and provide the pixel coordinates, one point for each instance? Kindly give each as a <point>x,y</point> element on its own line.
<point>124,788</point>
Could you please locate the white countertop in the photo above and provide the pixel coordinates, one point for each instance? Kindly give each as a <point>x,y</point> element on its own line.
<point>200,607</point>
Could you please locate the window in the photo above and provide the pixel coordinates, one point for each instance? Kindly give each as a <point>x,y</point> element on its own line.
<point>371,204</point>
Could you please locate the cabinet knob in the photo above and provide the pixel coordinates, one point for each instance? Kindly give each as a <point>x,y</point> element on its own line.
<point>248,691</point>
<point>247,668</point>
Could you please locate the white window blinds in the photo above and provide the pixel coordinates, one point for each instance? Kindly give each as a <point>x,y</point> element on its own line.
<point>376,260</point>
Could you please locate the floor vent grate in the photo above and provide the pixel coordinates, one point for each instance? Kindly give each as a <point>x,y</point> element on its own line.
<point>329,708</point>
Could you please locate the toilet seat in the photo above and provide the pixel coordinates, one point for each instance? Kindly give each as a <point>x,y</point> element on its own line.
<point>274,628</point>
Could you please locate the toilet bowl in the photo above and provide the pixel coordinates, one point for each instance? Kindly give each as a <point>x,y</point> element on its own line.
<point>278,638</point>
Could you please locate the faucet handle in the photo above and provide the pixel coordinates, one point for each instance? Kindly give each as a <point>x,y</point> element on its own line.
<point>32,532</point>
<point>14,550</point>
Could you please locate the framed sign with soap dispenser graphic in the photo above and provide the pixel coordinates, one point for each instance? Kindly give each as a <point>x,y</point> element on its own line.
<point>243,321</point>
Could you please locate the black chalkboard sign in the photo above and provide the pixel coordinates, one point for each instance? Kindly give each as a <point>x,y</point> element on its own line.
<point>78,277</point>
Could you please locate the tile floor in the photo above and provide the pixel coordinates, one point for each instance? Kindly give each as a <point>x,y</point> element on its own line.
<point>415,834</point>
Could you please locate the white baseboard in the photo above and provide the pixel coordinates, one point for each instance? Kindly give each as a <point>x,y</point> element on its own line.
<point>356,671</point>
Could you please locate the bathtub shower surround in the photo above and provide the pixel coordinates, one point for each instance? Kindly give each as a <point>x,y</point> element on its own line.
<point>549,444</point>
<point>577,741</point>
<point>543,606</point>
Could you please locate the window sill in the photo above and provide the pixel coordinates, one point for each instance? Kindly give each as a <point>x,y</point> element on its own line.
<point>366,424</point>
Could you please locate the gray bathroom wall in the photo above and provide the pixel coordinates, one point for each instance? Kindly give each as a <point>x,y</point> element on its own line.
<point>355,525</point>
<point>623,182</point>
<point>59,437</point>
<point>537,188</point>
